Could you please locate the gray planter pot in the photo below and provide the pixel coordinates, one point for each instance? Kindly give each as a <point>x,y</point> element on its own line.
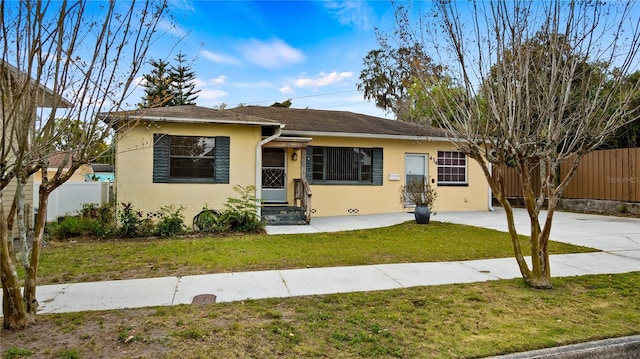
<point>422,214</point>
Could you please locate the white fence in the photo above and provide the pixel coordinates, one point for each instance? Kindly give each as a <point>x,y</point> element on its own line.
<point>69,198</point>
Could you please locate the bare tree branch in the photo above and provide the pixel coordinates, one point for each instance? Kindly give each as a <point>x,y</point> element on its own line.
<point>72,60</point>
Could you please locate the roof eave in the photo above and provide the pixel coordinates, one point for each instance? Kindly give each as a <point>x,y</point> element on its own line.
<point>192,120</point>
<point>364,135</point>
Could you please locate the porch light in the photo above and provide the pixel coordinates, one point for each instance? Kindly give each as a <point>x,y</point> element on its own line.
<point>294,155</point>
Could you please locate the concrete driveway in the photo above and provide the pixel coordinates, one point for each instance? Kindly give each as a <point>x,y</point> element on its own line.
<point>606,233</point>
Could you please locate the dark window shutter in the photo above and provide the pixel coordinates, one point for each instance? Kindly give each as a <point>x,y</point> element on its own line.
<point>223,147</point>
<point>161,159</point>
<point>309,170</point>
<point>378,171</point>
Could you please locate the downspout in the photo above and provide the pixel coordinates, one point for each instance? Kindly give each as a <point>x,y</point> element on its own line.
<point>259,167</point>
<point>490,192</point>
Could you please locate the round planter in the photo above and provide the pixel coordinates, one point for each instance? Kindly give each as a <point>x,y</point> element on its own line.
<point>422,214</point>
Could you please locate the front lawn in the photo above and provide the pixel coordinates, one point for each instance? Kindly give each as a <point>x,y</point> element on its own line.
<point>92,260</point>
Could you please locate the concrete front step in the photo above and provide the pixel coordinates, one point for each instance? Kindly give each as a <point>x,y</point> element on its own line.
<point>283,215</point>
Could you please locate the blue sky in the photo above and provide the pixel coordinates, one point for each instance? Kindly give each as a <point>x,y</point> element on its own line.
<point>261,52</point>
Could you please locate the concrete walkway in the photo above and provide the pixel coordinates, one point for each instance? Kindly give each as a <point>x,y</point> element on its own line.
<point>617,238</point>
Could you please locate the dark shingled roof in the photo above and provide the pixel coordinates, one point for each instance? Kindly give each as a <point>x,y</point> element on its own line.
<point>101,167</point>
<point>187,113</point>
<point>301,121</point>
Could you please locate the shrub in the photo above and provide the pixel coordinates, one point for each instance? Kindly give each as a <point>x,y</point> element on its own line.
<point>69,227</point>
<point>102,218</point>
<point>171,223</point>
<point>103,212</point>
<point>130,221</point>
<point>93,220</point>
<point>241,213</point>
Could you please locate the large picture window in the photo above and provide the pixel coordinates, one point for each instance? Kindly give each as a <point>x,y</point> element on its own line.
<point>190,159</point>
<point>452,168</point>
<point>345,165</point>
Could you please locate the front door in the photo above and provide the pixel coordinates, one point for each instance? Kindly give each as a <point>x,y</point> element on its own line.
<point>274,175</point>
<point>415,169</point>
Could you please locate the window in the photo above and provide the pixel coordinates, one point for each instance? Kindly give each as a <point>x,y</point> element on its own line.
<point>194,159</point>
<point>344,165</point>
<point>452,168</point>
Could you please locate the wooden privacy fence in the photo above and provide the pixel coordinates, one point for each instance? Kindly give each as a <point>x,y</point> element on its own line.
<point>604,175</point>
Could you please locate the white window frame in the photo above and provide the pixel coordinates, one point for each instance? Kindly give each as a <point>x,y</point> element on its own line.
<point>442,160</point>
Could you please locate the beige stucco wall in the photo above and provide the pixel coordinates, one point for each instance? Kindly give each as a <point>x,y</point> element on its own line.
<point>333,200</point>
<point>134,182</point>
<point>134,168</point>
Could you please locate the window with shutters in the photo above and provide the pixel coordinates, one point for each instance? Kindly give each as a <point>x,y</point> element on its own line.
<point>344,165</point>
<point>190,159</point>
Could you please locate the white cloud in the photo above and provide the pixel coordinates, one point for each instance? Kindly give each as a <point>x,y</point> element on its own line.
<point>322,79</point>
<point>199,82</point>
<point>181,5</point>
<point>286,90</point>
<point>253,85</point>
<point>219,58</point>
<point>218,80</point>
<point>270,54</point>
<point>138,81</point>
<point>172,28</point>
<point>350,12</point>
<point>211,94</point>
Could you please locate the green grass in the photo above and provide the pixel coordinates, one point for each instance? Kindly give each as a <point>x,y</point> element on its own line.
<point>406,242</point>
<point>448,321</point>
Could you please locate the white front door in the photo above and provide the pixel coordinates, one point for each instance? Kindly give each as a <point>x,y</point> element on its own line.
<point>415,169</point>
<point>274,175</point>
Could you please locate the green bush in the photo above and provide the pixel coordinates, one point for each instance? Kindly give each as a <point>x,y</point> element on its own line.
<point>69,227</point>
<point>240,214</point>
<point>102,218</point>
<point>93,220</point>
<point>104,212</point>
<point>172,222</point>
<point>130,221</point>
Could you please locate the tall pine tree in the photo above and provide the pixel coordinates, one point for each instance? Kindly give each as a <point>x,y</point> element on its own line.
<point>157,85</point>
<point>182,83</point>
<point>168,84</point>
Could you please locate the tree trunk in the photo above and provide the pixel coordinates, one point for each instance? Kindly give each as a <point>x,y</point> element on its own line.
<point>31,272</point>
<point>513,234</point>
<point>498,188</point>
<point>540,275</point>
<point>15,314</point>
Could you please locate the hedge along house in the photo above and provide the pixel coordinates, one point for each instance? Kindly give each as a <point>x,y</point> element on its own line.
<point>326,163</point>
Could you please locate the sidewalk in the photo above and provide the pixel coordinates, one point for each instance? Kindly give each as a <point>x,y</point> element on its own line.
<point>617,238</point>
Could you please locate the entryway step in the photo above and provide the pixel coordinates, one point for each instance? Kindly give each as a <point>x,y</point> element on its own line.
<point>283,215</point>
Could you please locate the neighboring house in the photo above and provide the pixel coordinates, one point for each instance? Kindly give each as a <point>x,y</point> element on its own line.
<point>101,172</point>
<point>351,163</point>
<point>55,161</point>
<point>84,186</point>
<point>12,79</point>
